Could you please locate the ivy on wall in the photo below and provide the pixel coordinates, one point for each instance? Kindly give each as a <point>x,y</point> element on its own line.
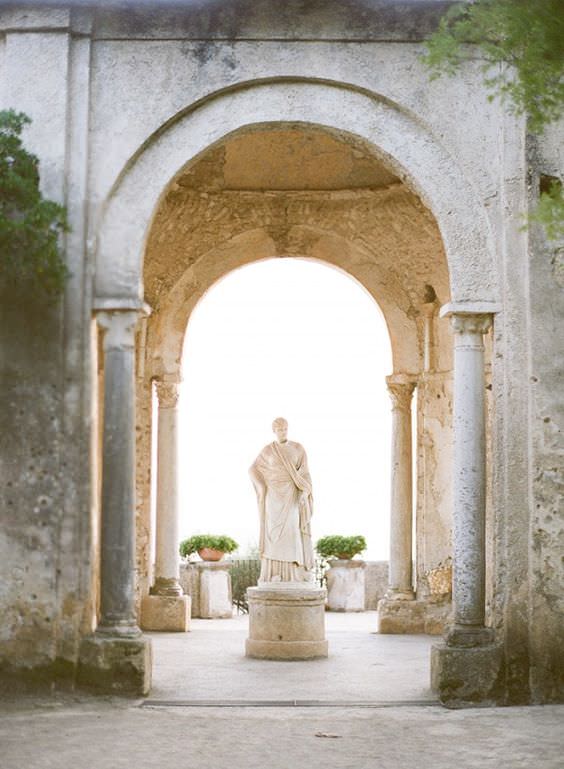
<point>30,226</point>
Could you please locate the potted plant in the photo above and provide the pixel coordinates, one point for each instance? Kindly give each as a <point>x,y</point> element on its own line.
<point>345,578</point>
<point>344,548</point>
<point>210,547</point>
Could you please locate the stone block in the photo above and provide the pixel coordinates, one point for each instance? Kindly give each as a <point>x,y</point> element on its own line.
<point>467,677</point>
<point>166,613</point>
<point>215,590</point>
<point>400,617</point>
<point>346,585</point>
<point>413,617</point>
<point>286,622</point>
<point>437,617</point>
<point>115,665</point>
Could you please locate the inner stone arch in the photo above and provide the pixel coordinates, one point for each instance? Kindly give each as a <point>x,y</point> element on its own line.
<point>292,189</point>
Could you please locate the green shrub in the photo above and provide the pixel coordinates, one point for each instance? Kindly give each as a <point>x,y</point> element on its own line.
<point>244,574</point>
<point>29,225</point>
<point>199,541</point>
<point>340,547</point>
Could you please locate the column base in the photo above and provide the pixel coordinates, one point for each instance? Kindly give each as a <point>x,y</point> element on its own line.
<point>286,622</point>
<point>467,677</point>
<point>400,595</point>
<point>412,617</point>
<point>166,613</point>
<point>166,586</point>
<point>115,665</point>
<point>469,636</point>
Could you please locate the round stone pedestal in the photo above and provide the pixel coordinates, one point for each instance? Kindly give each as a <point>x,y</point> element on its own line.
<point>286,622</point>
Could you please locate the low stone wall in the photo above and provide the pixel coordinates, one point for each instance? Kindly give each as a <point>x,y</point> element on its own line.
<point>376,583</point>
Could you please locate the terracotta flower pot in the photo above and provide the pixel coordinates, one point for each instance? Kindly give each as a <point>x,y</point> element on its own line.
<point>210,554</point>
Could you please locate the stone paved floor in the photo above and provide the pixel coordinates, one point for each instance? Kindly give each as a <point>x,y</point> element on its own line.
<point>210,663</point>
<point>81,732</point>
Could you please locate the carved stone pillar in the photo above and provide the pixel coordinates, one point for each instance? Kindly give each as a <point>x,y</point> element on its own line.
<point>470,657</point>
<point>397,611</point>
<point>167,560</point>
<point>118,656</point>
<point>167,608</point>
<point>469,481</point>
<point>401,389</point>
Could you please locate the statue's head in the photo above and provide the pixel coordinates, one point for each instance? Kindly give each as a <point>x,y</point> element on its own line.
<point>280,428</point>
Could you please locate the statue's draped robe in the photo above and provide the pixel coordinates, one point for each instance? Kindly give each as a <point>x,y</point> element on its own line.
<point>285,533</point>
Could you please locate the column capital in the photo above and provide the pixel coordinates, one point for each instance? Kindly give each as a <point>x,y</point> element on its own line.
<point>119,327</point>
<point>167,393</point>
<point>470,317</point>
<point>463,323</point>
<point>400,389</point>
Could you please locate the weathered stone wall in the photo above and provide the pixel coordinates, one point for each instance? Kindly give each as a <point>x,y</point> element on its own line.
<point>46,365</point>
<point>546,487</point>
<point>104,90</point>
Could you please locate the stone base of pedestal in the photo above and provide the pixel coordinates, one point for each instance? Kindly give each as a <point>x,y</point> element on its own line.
<point>166,613</point>
<point>466,677</point>
<point>413,617</point>
<point>115,665</point>
<point>346,586</point>
<point>286,622</point>
<point>215,590</point>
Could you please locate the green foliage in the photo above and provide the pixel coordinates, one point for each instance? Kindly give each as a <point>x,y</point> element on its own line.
<point>550,211</point>
<point>340,547</point>
<point>522,43</point>
<point>244,573</point>
<point>199,541</point>
<point>29,225</point>
<point>528,35</point>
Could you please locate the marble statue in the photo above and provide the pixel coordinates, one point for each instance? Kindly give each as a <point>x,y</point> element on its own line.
<point>282,483</point>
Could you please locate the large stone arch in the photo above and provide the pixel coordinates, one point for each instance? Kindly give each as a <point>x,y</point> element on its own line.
<point>405,142</point>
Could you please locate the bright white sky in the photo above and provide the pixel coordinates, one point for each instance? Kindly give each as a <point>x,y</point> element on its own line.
<point>299,339</point>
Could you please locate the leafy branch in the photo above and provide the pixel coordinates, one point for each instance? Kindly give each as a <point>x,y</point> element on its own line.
<point>30,226</point>
<point>522,44</point>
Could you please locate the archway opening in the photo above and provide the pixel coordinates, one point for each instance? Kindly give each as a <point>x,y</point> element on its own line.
<point>301,192</point>
<point>296,338</point>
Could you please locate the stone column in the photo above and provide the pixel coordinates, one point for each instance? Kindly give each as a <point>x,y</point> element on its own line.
<point>167,567</point>
<point>167,608</point>
<point>118,656</point>
<point>397,611</point>
<point>117,589</point>
<point>470,657</point>
<point>401,389</point>
<point>469,480</point>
